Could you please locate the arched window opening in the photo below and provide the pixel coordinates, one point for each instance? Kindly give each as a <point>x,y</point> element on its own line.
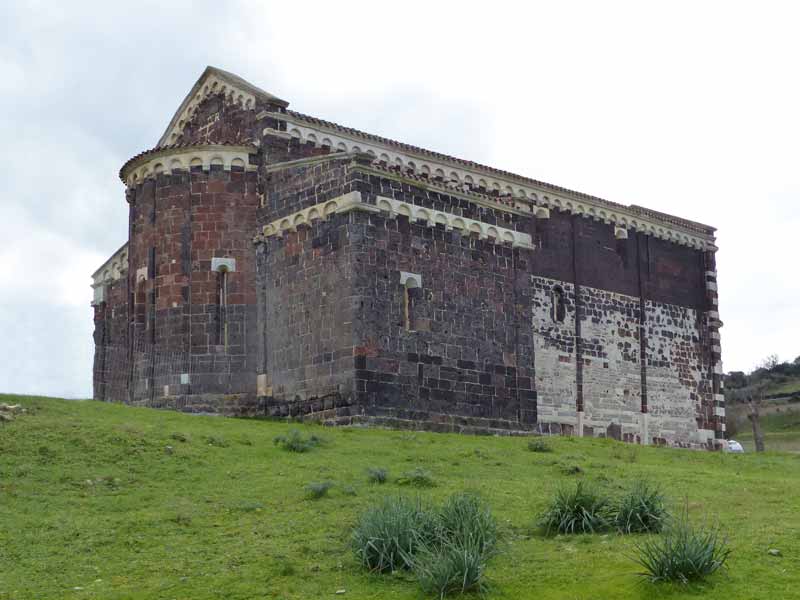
<point>412,292</point>
<point>558,308</point>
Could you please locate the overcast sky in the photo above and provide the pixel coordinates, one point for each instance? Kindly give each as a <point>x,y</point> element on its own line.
<point>689,108</point>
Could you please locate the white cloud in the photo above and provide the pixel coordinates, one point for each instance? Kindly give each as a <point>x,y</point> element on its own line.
<point>688,108</point>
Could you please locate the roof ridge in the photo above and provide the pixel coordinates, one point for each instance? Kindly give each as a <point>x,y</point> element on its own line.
<point>708,229</point>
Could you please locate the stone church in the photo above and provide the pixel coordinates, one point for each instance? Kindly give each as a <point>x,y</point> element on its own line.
<point>278,264</point>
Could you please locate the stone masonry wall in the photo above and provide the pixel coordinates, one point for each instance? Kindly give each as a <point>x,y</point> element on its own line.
<point>554,354</point>
<point>612,371</point>
<point>305,295</point>
<point>466,353</point>
<point>307,315</point>
<point>185,346</point>
<point>589,371</point>
<point>111,364</point>
<point>679,387</point>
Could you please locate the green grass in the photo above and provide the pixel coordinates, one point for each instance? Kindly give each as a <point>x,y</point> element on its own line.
<point>94,505</point>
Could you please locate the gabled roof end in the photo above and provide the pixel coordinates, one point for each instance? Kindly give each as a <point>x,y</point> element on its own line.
<point>224,77</point>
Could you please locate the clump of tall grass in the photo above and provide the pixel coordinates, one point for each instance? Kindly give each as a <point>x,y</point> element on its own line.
<point>377,475</point>
<point>465,517</point>
<point>641,509</point>
<point>447,548</point>
<point>389,534</point>
<point>454,560</point>
<point>294,441</point>
<point>452,568</point>
<point>578,509</point>
<point>683,553</point>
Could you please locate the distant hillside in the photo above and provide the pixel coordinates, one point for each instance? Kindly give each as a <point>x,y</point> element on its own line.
<point>772,379</point>
<point>781,427</point>
<point>775,387</point>
<point>110,502</point>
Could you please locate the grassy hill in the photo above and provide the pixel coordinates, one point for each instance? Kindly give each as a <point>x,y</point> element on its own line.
<point>781,429</point>
<point>789,387</point>
<point>107,501</point>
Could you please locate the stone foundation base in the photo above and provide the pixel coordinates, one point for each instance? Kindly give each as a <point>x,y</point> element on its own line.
<point>228,405</point>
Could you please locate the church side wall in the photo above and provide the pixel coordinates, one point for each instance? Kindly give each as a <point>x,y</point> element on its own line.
<point>463,360</point>
<point>631,357</point>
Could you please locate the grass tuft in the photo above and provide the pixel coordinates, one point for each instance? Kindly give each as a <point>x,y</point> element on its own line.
<point>578,509</point>
<point>293,441</point>
<point>218,441</point>
<point>418,477</point>
<point>317,490</point>
<point>683,553</point>
<point>641,509</point>
<point>539,445</point>
<point>377,475</point>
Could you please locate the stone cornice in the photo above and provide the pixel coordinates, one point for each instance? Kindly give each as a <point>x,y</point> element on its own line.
<point>393,208</point>
<point>113,268</point>
<point>521,192</point>
<point>166,160</point>
<point>503,204</point>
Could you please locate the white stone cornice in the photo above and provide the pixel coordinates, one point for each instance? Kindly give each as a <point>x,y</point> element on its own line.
<point>526,196</point>
<point>113,269</point>
<point>426,184</point>
<point>452,222</point>
<point>393,208</point>
<point>174,158</point>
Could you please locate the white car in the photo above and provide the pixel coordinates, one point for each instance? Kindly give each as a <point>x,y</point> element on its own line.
<point>735,447</point>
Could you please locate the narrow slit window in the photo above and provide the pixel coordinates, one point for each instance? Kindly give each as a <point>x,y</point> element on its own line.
<point>558,309</point>
<point>410,294</point>
<point>151,263</point>
<point>223,307</point>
